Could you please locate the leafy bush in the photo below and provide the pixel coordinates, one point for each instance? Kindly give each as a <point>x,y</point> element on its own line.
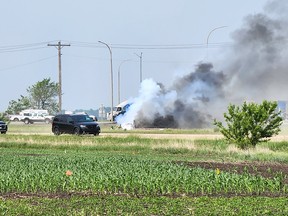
<point>250,124</point>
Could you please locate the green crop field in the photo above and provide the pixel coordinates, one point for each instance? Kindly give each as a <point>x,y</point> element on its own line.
<point>43,174</point>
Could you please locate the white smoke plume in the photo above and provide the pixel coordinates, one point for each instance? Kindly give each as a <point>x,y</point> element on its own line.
<point>183,105</point>
<point>255,69</point>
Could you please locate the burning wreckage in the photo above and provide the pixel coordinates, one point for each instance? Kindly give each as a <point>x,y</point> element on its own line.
<point>184,105</point>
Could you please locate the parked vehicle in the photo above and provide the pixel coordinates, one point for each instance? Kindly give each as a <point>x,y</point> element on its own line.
<point>30,116</point>
<point>3,127</point>
<point>37,117</point>
<point>74,124</point>
<point>15,118</point>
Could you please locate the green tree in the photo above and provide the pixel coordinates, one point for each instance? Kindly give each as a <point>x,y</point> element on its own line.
<point>43,94</point>
<point>4,117</point>
<point>15,106</point>
<point>40,96</point>
<point>250,124</point>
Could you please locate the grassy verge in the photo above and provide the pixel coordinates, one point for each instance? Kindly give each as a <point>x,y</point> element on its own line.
<point>156,149</point>
<point>106,127</point>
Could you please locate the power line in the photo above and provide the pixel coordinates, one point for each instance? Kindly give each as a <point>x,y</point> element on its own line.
<point>21,65</point>
<point>20,50</point>
<point>42,45</point>
<point>22,47</point>
<point>25,45</point>
<point>151,46</point>
<point>160,46</point>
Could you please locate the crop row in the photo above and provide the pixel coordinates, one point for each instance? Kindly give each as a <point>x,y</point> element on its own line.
<point>119,174</point>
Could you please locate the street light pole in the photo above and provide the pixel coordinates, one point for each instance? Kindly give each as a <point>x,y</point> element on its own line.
<point>119,78</point>
<point>207,40</point>
<point>111,70</point>
<point>140,56</point>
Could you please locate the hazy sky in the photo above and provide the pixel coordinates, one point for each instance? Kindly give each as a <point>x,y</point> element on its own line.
<point>171,35</point>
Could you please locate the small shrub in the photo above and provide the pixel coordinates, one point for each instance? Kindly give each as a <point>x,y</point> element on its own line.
<point>250,124</point>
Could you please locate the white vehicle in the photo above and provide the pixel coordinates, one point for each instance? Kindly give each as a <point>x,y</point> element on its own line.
<point>16,118</point>
<point>30,116</point>
<point>119,109</point>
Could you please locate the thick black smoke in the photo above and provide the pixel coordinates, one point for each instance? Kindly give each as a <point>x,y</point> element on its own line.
<point>258,63</point>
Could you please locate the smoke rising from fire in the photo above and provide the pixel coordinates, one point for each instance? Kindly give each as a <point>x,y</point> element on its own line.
<point>258,67</point>
<point>185,104</point>
<point>255,69</point>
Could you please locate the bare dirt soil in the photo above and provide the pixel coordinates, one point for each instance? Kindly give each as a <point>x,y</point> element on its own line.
<point>266,170</point>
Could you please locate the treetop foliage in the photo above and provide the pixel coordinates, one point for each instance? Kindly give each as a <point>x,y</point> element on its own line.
<point>40,96</point>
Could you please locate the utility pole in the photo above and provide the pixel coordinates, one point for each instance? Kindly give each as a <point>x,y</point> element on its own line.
<point>140,56</point>
<point>59,46</point>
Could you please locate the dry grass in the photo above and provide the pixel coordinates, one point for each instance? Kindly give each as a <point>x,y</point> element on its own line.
<point>257,150</point>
